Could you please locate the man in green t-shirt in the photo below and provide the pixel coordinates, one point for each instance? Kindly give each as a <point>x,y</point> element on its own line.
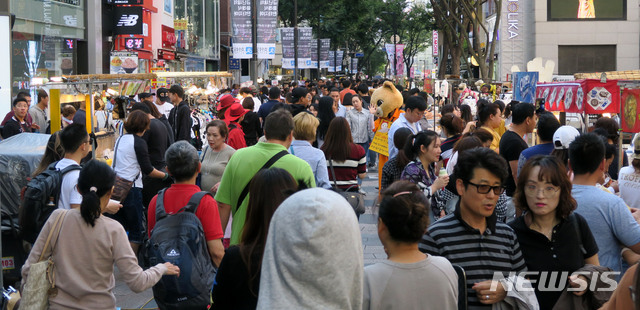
<point>246,162</point>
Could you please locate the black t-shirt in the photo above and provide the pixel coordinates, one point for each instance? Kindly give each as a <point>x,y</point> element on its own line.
<point>231,288</point>
<point>511,145</point>
<point>251,127</point>
<point>157,141</point>
<point>561,253</point>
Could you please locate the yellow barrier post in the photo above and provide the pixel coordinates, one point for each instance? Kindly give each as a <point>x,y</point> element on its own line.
<point>54,110</point>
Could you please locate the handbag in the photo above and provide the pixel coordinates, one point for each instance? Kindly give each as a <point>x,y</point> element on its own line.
<point>355,199</point>
<point>41,281</point>
<point>122,186</point>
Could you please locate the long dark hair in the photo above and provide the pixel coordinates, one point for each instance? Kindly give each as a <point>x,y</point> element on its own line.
<point>337,143</point>
<point>325,115</point>
<point>53,153</point>
<point>95,180</point>
<point>268,189</point>
<point>412,147</point>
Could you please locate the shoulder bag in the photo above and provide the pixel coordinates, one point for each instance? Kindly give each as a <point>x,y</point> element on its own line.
<point>41,280</point>
<point>122,186</point>
<point>355,199</point>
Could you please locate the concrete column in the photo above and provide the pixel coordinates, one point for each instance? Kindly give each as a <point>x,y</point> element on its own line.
<point>94,36</point>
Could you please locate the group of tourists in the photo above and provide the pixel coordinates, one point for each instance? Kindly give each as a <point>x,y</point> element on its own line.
<point>469,201</point>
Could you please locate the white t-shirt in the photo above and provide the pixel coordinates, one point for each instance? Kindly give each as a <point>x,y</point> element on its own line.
<point>165,108</point>
<point>69,194</point>
<point>629,183</point>
<point>256,104</point>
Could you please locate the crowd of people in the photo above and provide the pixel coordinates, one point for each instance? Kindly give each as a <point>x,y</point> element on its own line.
<point>466,198</point>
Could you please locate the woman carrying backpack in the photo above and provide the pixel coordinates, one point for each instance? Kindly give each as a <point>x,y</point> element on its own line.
<point>238,278</point>
<point>87,247</point>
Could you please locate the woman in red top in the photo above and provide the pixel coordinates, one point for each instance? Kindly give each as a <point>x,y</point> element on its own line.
<point>233,116</point>
<point>348,159</point>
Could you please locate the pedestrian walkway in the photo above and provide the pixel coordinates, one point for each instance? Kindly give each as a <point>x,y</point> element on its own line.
<point>372,249</point>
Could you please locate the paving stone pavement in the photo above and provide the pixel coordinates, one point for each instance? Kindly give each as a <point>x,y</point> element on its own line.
<point>372,249</point>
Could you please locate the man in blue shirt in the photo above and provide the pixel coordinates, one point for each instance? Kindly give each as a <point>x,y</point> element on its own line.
<point>547,126</point>
<point>414,107</point>
<point>265,109</point>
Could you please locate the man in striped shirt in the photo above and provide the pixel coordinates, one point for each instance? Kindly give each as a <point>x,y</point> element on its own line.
<point>471,237</point>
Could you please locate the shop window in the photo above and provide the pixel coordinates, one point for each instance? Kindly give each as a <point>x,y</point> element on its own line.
<point>586,58</point>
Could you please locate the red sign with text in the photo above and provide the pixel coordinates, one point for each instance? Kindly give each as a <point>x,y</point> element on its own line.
<point>168,37</point>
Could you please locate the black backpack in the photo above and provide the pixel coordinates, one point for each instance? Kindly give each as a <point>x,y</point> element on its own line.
<point>40,200</point>
<point>179,239</point>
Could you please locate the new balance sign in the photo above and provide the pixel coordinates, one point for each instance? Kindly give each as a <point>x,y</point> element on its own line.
<point>128,20</point>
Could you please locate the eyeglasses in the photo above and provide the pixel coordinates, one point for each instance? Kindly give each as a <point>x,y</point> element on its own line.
<point>485,189</point>
<point>547,191</point>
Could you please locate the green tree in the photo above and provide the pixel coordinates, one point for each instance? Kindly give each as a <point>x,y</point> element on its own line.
<point>415,32</point>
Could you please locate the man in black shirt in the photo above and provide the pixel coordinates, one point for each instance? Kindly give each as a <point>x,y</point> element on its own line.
<point>512,142</point>
<point>180,116</point>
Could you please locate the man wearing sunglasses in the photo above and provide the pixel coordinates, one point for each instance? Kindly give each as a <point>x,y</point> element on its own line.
<point>471,237</point>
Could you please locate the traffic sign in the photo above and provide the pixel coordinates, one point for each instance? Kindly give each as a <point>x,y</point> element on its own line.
<point>359,55</point>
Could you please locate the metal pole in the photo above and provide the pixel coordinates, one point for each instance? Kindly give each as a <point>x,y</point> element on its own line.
<point>335,61</point>
<point>254,39</point>
<point>395,56</point>
<point>319,42</point>
<point>295,40</point>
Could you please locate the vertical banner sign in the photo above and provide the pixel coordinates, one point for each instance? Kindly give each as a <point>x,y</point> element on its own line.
<point>180,29</point>
<point>630,116</point>
<point>288,51</point>
<point>354,65</point>
<point>340,54</point>
<point>332,61</point>
<point>241,23</point>
<point>314,54</point>
<point>400,59</point>
<point>325,46</point>
<point>435,44</point>
<point>391,52</point>
<point>524,86</point>
<point>267,20</point>
<point>305,36</point>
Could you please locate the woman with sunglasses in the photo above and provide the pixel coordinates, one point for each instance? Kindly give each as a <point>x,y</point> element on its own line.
<point>552,238</point>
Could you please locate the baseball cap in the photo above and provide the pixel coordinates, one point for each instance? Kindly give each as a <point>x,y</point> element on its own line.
<point>163,94</point>
<point>145,95</point>
<point>234,112</point>
<point>225,102</point>
<point>636,147</point>
<point>564,136</point>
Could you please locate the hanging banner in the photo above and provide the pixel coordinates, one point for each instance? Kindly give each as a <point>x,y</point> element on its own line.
<point>267,21</point>
<point>180,29</point>
<point>524,86</point>
<point>391,52</point>
<point>123,62</point>
<point>435,44</point>
<point>305,36</point>
<point>354,65</point>
<point>630,118</point>
<point>314,54</point>
<point>325,46</point>
<point>242,45</point>
<point>288,51</point>
<point>588,96</point>
<point>400,59</point>
<point>339,54</point>
<point>332,61</point>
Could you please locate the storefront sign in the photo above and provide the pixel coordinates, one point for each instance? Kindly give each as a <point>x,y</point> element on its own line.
<point>128,20</point>
<point>242,45</point>
<point>180,26</point>
<point>436,42</point>
<point>134,43</point>
<point>168,37</point>
<point>123,62</point>
<point>513,18</point>
<point>234,64</point>
<point>125,2</point>
<point>267,22</point>
<point>161,82</point>
<point>166,55</point>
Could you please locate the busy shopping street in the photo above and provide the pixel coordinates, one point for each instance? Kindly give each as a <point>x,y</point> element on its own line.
<point>301,154</point>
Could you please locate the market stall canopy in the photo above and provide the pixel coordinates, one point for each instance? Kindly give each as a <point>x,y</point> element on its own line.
<point>143,76</point>
<point>632,75</point>
<point>581,96</point>
<point>20,155</point>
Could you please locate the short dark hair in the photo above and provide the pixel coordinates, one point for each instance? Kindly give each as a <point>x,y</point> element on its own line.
<point>248,103</point>
<point>415,102</point>
<point>480,157</point>
<point>485,110</point>
<point>221,125</point>
<point>547,126</point>
<point>346,83</point>
<point>278,125</point>
<point>363,88</point>
<point>182,160</point>
<point>414,91</point>
<point>610,125</point>
<point>72,137</point>
<point>42,94</point>
<point>177,90</point>
<point>553,170</point>
<point>18,100</point>
<point>334,89</point>
<point>274,93</point>
<point>245,90</point>
<point>521,111</point>
<point>586,153</point>
<point>404,210</point>
<point>140,107</point>
<point>23,94</point>
<point>137,122</point>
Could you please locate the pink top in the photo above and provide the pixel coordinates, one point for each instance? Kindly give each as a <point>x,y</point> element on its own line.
<point>84,257</point>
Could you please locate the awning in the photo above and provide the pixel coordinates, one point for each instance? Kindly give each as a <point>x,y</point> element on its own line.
<point>142,54</point>
<point>590,96</point>
<point>166,54</point>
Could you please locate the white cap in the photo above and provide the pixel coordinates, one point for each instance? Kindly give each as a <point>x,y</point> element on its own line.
<point>636,147</point>
<point>564,136</point>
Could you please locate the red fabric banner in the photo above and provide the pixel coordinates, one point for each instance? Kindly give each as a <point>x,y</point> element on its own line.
<point>630,119</point>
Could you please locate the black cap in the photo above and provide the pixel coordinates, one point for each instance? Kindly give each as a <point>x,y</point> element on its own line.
<point>145,95</point>
<point>163,94</point>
